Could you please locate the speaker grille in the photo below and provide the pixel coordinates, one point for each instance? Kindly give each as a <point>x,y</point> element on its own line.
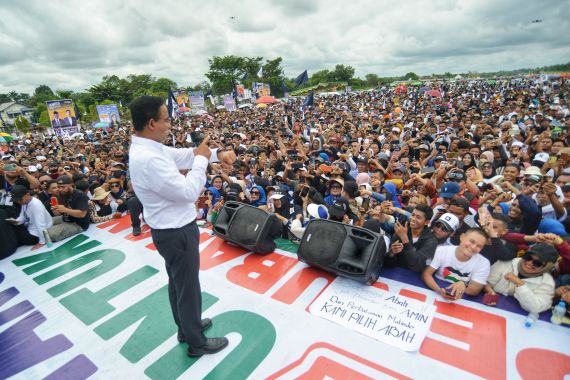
<point>322,242</point>
<point>246,225</point>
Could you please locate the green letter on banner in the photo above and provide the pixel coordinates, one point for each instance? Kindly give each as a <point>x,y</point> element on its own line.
<point>61,253</point>
<point>257,339</point>
<point>90,306</point>
<point>157,325</point>
<point>109,258</point>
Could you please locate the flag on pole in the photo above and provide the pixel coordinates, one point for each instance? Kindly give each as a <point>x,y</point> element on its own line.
<point>170,103</point>
<point>260,72</point>
<point>309,100</point>
<point>302,78</point>
<point>284,88</point>
<point>244,78</point>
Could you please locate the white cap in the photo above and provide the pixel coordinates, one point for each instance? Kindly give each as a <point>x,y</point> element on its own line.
<point>517,143</point>
<point>533,170</point>
<point>542,157</point>
<point>32,169</point>
<point>396,129</point>
<point>449,220</point>
<point>317,211</point>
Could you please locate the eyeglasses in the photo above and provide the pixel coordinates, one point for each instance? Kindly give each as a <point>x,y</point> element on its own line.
<point>115,185</point>
<point>254,192</point>
<point>535,262</point>
<point>442,227</point>
<point>336,187</point>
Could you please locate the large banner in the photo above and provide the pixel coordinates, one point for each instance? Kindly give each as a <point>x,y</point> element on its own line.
<point>230,103</point>
<point>261,89</point>
<point>96,306</point>
<point>108,113</point>
<point>196,101</point>
<point>62,117</point>
<point>181,98</point>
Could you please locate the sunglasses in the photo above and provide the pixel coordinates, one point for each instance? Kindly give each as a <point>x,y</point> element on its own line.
<point>115,185</point>
<point>336,187</point>
<point>442,227</point>
<point>254,192</point>
<point>535,263</point>
<point>456,175</point>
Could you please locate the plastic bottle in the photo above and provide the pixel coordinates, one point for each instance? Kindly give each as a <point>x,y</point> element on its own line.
<point>530,319</point>
<point>47,238</point>
<point>558,313</point>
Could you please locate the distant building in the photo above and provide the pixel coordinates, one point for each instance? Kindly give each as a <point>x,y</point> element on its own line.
<point>11,110</point>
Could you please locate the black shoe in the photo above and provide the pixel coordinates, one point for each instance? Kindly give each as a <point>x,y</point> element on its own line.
<point>206,324</point>
<point>212,346</point>
<point>136,231</point>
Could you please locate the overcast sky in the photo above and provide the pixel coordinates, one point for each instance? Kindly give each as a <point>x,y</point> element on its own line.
<point>72,44</point>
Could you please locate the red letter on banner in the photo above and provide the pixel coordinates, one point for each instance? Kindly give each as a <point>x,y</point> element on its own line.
<point>487,353</point>
<point>255,275</point>
<point>535,363</point>
<point>297,284</point>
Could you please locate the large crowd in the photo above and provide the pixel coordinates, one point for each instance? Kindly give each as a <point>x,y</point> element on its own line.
<point>470,183</point>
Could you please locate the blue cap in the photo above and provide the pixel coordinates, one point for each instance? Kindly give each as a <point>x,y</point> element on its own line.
<point>449,190</point>
<point>552,226</point>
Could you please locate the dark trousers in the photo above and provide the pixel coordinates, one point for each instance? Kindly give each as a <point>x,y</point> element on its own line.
<point>135,208</point>
<point>8,240</point>
<point>179,248</point>
<point>24,237</point>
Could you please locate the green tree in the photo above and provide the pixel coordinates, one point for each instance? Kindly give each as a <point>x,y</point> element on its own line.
<point>22,124</point>
<point>342,73</point>
<point>412,76</point>
<point>42,94</point>
<point>225,72</point>
<point>372,80</point>
<point>43,119</point>
<point>161,86</point>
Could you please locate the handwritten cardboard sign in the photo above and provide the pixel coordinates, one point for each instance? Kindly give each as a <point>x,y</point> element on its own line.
<point>388,317</point>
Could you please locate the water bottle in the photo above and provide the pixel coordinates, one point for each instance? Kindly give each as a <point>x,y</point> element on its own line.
<point>558,313</point>
<point>47,238</point>
<point>530,319</point>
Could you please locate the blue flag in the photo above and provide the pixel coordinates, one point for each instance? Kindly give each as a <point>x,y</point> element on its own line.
<point>245,76</point>
<point>170,104</point>
<point>209,93</point>
<point>302,78</point>
<point>309,100</point>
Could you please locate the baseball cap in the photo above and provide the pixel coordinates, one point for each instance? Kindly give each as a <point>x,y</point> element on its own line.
<point>317,211</point>
<point>337,180</point>
<point>542,157</point>
<point>449,220</point>
<point>533,170</point>
<point>32,169</point>
<point>461,202</point>
<point>18,192</point>
<point>339,207</point>
<point>439,157</point>
<point>449,190</point>
<point>64,180</point>
<point>546,252</point>
<point>424,147</point>
<point>278,194</point>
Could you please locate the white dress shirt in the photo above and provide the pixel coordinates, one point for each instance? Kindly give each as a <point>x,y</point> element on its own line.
<point>168,197</point>
<point>36,218</point>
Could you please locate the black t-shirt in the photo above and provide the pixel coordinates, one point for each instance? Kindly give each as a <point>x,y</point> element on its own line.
<point>11,208</point>
<point>78,201</point>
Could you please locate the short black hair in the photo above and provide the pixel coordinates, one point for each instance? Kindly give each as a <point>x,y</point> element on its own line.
<point>143,109</point>
<point>502,218</point>
<point>428,211</point>
<point>477,230</point>
<point>82,185</point>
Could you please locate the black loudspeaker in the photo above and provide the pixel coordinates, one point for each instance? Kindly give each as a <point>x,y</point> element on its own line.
<point>347,251</point>
<point>247,226</point>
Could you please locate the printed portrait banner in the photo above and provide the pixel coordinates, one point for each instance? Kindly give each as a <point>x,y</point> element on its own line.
<point>62,117</point>
<point>230,103</point>
<point>385,316</point>
<point>196,101</point>
<point>96,306</point>
<point>108,113</point>
<point>240,90</point>
<point>261,89</point>
<point>181,98</point>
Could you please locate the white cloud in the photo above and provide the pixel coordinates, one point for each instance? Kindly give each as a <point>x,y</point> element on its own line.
<point>72,44</point>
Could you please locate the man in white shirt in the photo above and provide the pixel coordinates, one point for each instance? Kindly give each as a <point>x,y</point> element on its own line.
<point>33,218</point>
<point>169,198</point>
<point>463,266</point>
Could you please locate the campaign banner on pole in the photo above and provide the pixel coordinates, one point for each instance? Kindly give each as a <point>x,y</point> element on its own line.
<point>108,113</point>
<point>240,90</point>
<point>96,306</point>
<point>261,89</point>
<point>62,117</point>
<point>196,102</point>
<point>230,103</point>
<point>181,98</point>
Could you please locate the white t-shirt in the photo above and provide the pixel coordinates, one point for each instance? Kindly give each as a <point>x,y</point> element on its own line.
<point>452,270</point>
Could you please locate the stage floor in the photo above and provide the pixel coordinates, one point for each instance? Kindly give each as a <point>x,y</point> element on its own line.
<point>96,306</point>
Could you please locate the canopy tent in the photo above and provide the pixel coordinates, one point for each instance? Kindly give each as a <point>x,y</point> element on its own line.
<point>267,100</point>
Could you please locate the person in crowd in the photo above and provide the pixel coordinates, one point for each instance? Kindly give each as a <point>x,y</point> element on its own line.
<point>71,212</point>
<point>100,209</point>
<point>526,278</point>
<point>462,266</point>
<point>33,218</point>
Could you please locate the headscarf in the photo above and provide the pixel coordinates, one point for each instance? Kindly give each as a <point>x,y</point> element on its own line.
<point>392,193</point>
<point>262,197</point>
<point>215,195</point>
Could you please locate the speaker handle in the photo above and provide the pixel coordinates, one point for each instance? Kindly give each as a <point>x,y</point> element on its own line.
<point>361,234</point>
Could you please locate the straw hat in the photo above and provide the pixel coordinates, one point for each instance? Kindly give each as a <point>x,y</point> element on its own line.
<point>99,194</point>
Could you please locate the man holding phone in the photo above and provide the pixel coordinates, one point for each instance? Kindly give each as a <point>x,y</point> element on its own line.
<point>169,199</point>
